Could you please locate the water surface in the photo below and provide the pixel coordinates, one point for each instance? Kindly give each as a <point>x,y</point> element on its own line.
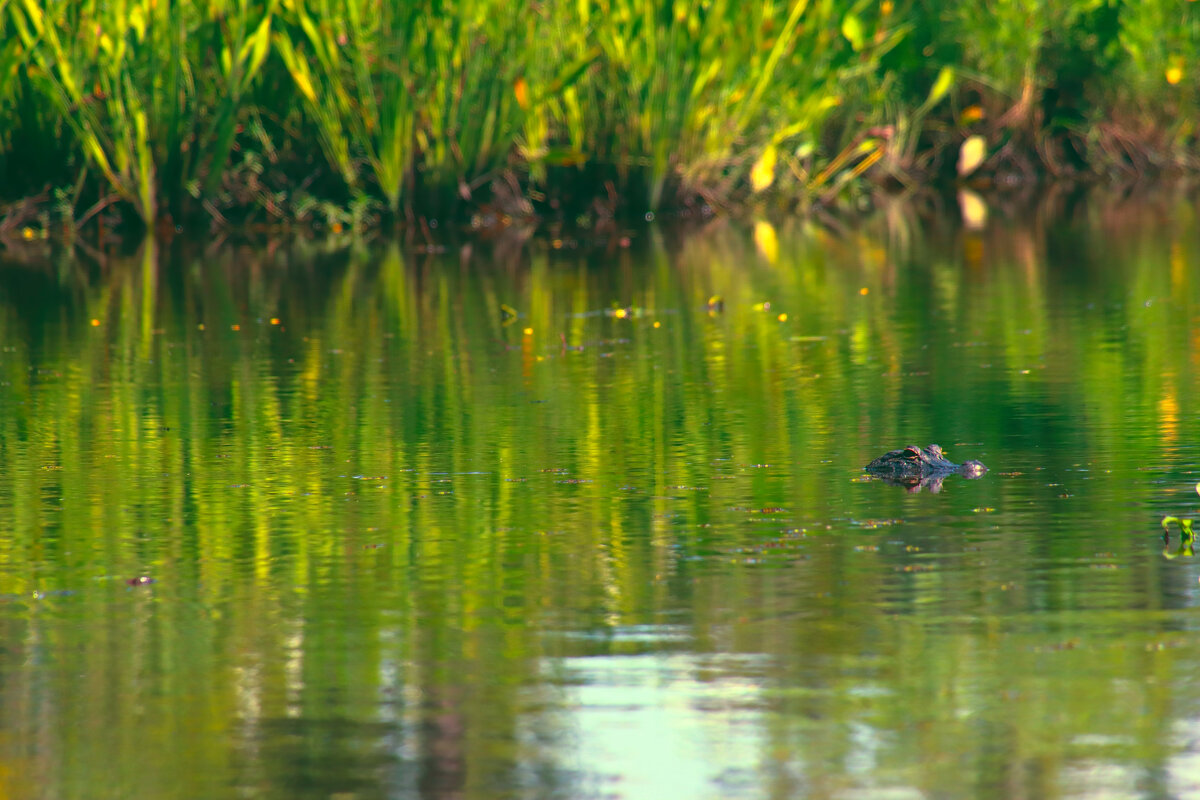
<point>329,522</point>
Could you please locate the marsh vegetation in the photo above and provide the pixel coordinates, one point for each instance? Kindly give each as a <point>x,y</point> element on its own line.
<point>356,112</point>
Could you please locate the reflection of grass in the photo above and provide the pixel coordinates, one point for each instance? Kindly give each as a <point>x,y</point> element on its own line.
<point>306,493</point>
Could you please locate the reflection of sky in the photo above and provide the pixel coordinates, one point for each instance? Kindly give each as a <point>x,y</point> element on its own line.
<point>1104,779</point>
<point>688,726</point>
<point>1183,768</point>
<point>663,726</point>
<point>646,727</point>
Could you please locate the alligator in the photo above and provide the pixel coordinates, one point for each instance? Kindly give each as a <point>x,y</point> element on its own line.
<point>916,468</point>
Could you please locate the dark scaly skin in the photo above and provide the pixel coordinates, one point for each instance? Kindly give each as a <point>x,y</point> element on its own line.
<point>921,467</point>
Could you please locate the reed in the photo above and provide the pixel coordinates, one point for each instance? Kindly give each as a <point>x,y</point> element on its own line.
<point>436,94</point>
<point>420,105</point>
<point>150,90</point>
<point>704,91</point>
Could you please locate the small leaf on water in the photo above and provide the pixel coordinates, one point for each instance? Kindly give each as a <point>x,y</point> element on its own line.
<point>767,241</point>
<point>763,173</point>
<point>974,209</point>
<point>853,31</point>
<point>971,155</point>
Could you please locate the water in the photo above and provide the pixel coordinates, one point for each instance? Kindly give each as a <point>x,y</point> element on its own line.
<point>322,522</point>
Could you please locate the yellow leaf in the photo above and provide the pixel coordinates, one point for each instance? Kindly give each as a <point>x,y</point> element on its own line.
<point>35,15</point>
<point>763,173</point>
<point>521,90</point>
<point>304,85</point>
<point>852,29</point>
<point>137,20</point>
<point>257,45</point>
<point>971,155</point>
<point>867,146</point>
<point>296,66</point>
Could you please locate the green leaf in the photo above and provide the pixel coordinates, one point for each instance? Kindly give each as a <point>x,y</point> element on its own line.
<point>941,87</point>
<point>570,74</point>
<point>10,57</point>
<point>258,45</point>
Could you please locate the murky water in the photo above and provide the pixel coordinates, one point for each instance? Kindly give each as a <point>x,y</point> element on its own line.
<point>305,522</point>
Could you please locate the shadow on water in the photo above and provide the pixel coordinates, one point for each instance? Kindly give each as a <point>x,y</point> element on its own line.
<point>344,520</point>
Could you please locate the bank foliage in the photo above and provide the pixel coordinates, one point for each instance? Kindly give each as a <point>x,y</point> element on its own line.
<point>344,111</point>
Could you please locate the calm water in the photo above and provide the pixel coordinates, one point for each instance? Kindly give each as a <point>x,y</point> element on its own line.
<point>326,522</point>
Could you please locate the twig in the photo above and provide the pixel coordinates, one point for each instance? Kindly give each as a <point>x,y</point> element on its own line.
<point>97,207</point>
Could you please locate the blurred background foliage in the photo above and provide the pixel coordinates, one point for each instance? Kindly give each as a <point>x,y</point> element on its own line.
<point>346,112</point>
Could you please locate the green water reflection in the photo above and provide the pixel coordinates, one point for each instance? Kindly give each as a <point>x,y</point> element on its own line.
<point>324,522</point>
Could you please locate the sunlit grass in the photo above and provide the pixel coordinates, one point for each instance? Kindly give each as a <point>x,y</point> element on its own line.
<point>354,105</point>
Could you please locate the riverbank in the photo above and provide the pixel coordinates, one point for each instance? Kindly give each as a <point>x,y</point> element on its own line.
<point>269,114</point>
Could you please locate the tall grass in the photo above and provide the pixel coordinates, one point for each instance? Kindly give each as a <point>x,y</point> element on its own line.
<point>670,95</point>
<point>412,105</point>
<point>150,89</point>
<point>702,89</point>
<point>435,94</point>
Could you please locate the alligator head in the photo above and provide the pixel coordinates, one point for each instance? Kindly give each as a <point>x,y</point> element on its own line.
<point>917,468</point>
